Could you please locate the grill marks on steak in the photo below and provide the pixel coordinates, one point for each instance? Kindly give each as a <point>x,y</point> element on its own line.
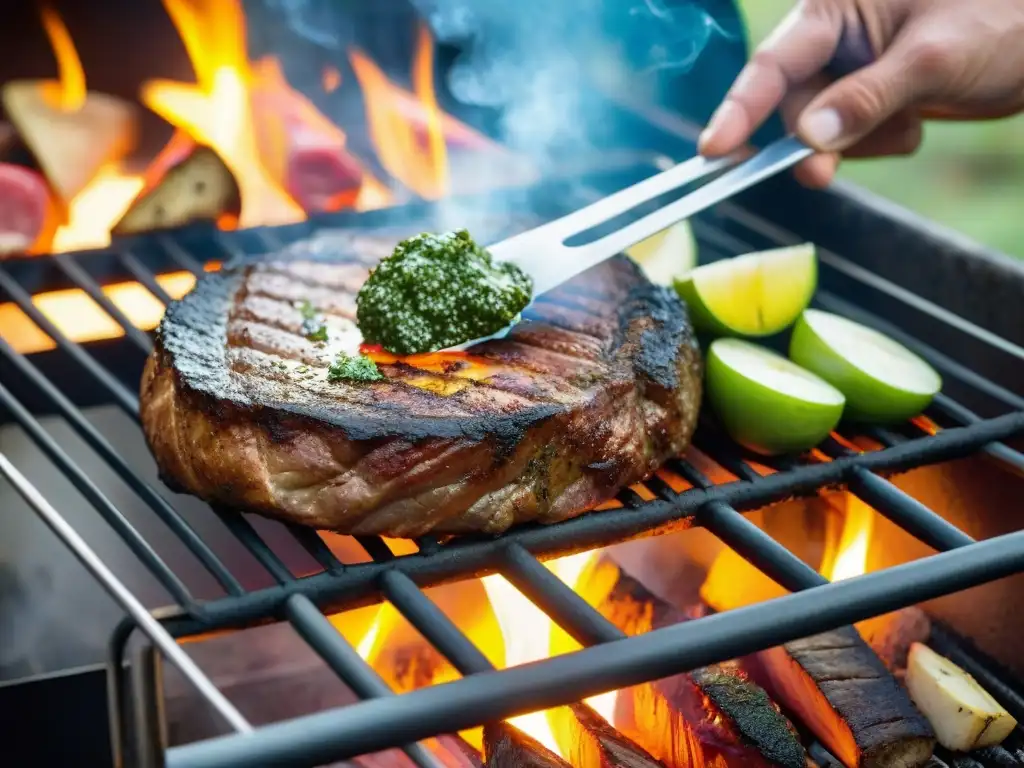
<point>596,387</point>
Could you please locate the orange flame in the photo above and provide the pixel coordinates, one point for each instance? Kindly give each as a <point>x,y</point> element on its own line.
<point>530,635</point>
<point>81,319</point>
<point>215,110</point>
<point>851,558</point>
<point>69,93</point>
<point>423,169</point>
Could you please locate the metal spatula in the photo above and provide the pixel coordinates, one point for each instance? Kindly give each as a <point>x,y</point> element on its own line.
<point>542,252</point>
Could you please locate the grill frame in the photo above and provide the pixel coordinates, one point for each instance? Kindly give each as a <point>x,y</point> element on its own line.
<point>613,661</point>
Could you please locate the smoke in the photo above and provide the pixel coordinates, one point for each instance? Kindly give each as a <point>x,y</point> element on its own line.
<point>530,59</point>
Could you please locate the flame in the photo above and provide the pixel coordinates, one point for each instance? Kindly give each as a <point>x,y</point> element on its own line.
<point>530,635</point>
<point>215,110</point>
<point>420,166</point>
<point>81,319</point>
<point>69,93</point>
<point>96,209</point>
<point>852,551</point>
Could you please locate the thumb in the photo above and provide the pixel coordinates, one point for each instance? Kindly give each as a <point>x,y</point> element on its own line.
<point>856,105</point>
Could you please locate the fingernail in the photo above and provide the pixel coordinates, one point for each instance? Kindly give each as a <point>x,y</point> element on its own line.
<point>822,128</point>
<point>718,119</point>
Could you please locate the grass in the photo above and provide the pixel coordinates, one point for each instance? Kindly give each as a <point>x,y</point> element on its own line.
<point>968,176</point>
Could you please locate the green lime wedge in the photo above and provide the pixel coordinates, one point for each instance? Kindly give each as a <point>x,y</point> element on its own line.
<point>667,255</point>
<point>757,294</point>
<point>766,402</point>
<point>884,382</point>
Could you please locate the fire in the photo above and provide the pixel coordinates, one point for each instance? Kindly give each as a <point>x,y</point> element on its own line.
<point>69,92</point>
<point>422,166</point>
<point>852,551</point>
<point>96,209</point>
<point>81,319</point>
<point>529,636</point>
<point>215,110</point>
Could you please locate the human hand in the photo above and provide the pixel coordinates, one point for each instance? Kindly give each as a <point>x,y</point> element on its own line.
<point>934,59</point>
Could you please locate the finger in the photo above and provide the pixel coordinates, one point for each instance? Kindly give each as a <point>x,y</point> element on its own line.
<point>799,48</point>
<point>855,106</point>
<point>900,135</point>
<point>816,171</point>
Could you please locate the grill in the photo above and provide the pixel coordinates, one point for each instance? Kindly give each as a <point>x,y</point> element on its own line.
<point>868,254</point>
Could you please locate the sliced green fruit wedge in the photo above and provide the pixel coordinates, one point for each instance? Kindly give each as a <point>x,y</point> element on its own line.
<point>766,402</point>
<point>667,255</point>
<point>757,294</point>
<point>884,382</point>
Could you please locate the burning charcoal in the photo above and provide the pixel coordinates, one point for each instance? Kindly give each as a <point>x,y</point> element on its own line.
<point>301,149</point>
<point>891,635</point>
<point>596,743</point>
<point>712,716</point>
<point>69,146</point>
<point>186,182</point>
<point>505,746</point>
<point>454,752</point>
<point>846,696</point>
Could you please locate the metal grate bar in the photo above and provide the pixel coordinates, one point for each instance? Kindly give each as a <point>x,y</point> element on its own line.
<point>367,727</point>
<point>360,582</point>
<point>124,598</point>
<point>178,525</point>
<point>144,276</point>
<point>316,547</point>
<point>347,664</point>
<point>179,255</point>
<point>750,542</point>
<point>136,543</point>
<point>124,399</point>
<point>433,624</point>
<point>549,593</point>
<point>375,548</point>
<point>963,416</point>
<point>242,530</point>
<point>902,509</point>
<point>906,511</point>
<point>84,281</point>
<point>758,548</point>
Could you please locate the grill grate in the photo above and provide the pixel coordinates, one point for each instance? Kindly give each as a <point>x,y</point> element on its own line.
<point>610,660</point>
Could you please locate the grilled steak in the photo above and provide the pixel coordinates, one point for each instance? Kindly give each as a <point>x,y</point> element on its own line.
<point>598,385</point>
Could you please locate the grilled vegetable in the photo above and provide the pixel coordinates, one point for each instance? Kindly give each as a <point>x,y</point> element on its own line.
<point>963,714</point>
<point>766,402</point>
<point>187,182</point>
<point>882,380</point>
<point>437,291</point>
<point>757,294</point>
<point>668,255</point>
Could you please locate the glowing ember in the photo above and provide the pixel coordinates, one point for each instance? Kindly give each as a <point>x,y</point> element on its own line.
<point>420,166</point>
<point>215,111</point>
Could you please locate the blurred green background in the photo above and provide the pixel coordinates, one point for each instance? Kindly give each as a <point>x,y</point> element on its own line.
<point>969,177</point>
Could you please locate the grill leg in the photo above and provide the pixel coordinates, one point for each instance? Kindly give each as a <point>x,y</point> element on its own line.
<point>149,728</point>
